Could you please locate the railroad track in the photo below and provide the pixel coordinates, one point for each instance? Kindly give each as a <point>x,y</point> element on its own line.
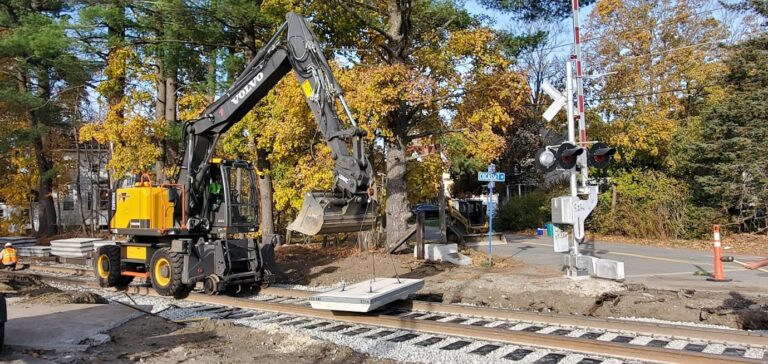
<point>461,333</point>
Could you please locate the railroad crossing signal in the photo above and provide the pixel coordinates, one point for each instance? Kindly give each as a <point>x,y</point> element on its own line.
<point>600,155</point>
<point>567,155</point>
<point>564,156</point>
<point>557,104</point>
<point>545,160</point>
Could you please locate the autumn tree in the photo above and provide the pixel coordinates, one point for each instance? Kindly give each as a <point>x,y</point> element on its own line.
<point>43,81</point>
<point>659,59</point>
<point>412,62</point>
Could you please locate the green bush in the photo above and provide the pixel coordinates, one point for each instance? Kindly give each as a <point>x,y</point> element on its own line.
<point>699,220</point>
<point>523,212</point>
<point>649,204</point>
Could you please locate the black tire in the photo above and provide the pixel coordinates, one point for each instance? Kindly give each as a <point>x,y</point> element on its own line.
<point>170,284</point>
<point>109,257</point>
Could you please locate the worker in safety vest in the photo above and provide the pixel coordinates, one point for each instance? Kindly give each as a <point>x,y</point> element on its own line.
<point>8,257</point>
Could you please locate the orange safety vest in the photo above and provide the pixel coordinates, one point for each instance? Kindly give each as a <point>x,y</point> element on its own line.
<point>9,256</point>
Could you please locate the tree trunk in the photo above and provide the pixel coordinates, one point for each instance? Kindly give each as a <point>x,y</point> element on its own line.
<point>169,154</point>
<point>397,191</point>
<point>115,42</point>
<point>269,239</point>
<point>46,210</point>
<point>211,76</point>
<point>265,193</point>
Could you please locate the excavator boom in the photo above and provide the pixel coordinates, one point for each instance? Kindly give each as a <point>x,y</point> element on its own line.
<point>348,207</point>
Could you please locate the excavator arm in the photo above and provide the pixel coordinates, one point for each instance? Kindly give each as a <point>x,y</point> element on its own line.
<point>294,47</point>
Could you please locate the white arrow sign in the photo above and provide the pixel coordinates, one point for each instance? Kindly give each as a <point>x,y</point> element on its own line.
<point>558,104</point>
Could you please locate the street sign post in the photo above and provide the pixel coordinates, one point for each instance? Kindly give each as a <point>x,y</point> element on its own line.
<point>491,177</point>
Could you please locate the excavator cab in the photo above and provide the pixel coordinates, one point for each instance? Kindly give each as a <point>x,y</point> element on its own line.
<point>231,197</point>
<point>329,213</point>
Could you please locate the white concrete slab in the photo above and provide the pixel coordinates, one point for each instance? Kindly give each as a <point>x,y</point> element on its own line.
<point>445,253</point>
<point>74,241</point>
<point>63,326</point>
<point>366,296</point>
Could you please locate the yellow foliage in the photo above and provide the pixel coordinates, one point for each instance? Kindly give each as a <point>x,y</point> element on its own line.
<point>134,136</point>
<point>114,71</point>
<point>21,176</point>
<point>373,92</point>
<point>494,102</point>
<point>278,8</point>
<point>424,178</point>
<point>656,77</point>
<point>191,104</point>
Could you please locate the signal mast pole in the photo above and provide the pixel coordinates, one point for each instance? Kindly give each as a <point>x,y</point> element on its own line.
<point>580,115</point>
<point>579,75</point>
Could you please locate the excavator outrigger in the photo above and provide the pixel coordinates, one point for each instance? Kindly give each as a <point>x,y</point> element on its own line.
<point>192,230</point>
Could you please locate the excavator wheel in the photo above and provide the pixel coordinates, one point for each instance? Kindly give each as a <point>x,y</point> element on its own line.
<point>210,285</point>
<point>106,266</point>
<point>165,270</point>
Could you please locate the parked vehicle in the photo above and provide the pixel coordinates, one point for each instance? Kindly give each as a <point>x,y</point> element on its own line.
<point>430,211</point>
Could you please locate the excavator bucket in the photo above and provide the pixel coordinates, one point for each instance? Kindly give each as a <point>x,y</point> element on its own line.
<point>325,213</point>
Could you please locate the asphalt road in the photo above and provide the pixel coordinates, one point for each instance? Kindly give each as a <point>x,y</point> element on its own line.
<point>657,267</point>
<point>652,266</point>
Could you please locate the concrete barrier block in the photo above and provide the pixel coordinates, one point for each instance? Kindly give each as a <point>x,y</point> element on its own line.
<point>609,269</point>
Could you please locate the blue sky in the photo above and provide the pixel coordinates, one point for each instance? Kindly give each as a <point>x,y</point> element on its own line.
<point>562,32</point>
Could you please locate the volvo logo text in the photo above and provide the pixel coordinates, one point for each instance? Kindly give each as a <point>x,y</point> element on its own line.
<point>247,89</point>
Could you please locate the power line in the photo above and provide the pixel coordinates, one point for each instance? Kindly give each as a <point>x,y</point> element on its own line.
<point>673,49</point>
<point>618,97</point>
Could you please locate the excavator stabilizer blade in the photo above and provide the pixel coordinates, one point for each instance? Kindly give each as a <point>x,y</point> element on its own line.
<point>324,213</point>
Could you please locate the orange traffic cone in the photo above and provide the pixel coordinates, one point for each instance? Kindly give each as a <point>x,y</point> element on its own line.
<point>719,272</point>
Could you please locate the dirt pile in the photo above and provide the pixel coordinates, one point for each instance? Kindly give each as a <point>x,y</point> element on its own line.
<point>314,265</point>
<point>16,285</point>
<point>51,298</point>
<point>31,290</point>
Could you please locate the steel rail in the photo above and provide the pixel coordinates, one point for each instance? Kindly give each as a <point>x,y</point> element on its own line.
<point>586,346</point>
<point>707,334</point>
<point>653,329</point>
<point>560,343</point>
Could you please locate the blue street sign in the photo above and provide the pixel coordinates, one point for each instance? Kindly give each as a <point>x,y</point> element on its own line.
<point>491,177</point>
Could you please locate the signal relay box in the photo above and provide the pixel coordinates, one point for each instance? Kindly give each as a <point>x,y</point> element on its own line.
<point>563,211</point>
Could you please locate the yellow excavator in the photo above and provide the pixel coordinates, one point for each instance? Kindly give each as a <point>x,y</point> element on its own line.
<point>194,228</point>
